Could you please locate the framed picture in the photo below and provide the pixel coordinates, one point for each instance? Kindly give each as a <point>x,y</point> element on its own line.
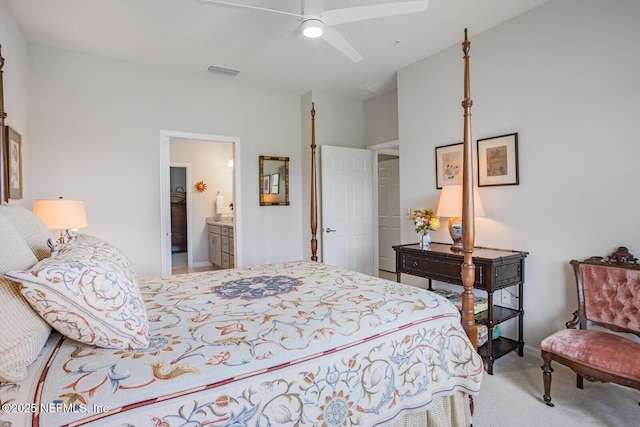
<point>449,165</point>
<point>14,163</point>
<point>275,183</point>
<point>498,160</point>
<point>266,184</point>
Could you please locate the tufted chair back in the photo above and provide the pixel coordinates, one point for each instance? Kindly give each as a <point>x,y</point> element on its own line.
<point>609,295</point>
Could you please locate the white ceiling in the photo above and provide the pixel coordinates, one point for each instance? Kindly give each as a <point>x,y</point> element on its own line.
<point>268,50</point>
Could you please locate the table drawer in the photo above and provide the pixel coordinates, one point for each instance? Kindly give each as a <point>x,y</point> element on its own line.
<point>444,270</point>
<point>508,274</point>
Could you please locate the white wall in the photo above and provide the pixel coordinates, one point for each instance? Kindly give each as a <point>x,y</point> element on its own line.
<point>564,76</point>
<point>208,162</point>
<point>95,126</point>
<point>16,89</point>
<point>381,118</point>
<point>339,120</point>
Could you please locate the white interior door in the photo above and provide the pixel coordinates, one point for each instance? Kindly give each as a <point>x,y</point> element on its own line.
<point>347,221</point>
<point>388,212</point>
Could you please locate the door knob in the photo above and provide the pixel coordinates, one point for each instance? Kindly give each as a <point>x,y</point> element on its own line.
<point>329,230</point>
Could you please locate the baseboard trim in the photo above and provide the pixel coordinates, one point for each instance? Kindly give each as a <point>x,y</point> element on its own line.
<point>201,264</point>
<point>531,351</point>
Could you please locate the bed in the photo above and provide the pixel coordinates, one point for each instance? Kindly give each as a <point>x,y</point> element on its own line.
<point>297,343</point>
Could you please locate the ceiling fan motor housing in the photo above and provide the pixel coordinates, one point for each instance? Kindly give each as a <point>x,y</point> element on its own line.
<point>313,28</point>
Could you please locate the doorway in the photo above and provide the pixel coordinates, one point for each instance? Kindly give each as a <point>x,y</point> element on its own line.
<point>387,203</point>
<point>366,245</point>
<point>200,205</point>
<point>180,257</point>
<point>388,213</point>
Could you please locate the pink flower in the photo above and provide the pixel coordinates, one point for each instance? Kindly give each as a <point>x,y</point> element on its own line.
<point>323,334</point>
<point>229,329</point>
<point>358,299</point>
<point>218,359</point>
<point>200,318</point>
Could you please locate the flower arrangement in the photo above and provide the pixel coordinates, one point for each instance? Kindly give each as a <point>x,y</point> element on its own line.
<point>425,220</point>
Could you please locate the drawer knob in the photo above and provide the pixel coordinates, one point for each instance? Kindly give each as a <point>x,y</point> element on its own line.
<point>414,264</point>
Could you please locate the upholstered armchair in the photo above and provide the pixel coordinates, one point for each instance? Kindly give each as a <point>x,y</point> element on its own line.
<point>609,297</point>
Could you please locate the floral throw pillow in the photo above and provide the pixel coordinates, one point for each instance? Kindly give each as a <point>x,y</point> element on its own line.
<point>88,291</point>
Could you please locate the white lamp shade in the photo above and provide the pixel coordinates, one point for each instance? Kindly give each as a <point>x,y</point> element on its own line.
<point>61,214</point>
<point>450,203</point>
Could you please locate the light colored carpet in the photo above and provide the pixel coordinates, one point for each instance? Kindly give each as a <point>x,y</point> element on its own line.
<point>512,397</point>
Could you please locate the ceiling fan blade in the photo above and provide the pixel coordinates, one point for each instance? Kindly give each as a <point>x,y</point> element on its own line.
<point>353,14</point>
<point>266,52</point>
<point>280,13</point>
<point>335,39</point>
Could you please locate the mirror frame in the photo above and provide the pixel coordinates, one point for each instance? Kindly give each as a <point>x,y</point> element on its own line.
<point>264,195</point>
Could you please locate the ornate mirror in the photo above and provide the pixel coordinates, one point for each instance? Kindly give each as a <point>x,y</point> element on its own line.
<point>274,181</point>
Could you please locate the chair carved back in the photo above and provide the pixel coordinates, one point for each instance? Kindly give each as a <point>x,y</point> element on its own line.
<point>608,292</point>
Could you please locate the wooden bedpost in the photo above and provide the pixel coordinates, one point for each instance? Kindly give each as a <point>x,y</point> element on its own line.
<point>314,196</point>
<point>4,178</point>
<point>468,222</point>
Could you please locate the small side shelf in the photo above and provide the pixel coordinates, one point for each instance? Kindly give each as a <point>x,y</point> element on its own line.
<point>501,346</point>
<point>500,314</point>
<point>495,269</point>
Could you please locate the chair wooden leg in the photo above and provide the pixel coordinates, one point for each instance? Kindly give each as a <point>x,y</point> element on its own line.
<point>579,381</point>
<point>546,378</point>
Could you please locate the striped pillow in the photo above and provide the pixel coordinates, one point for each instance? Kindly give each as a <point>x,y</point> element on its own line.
<point>24,333</point>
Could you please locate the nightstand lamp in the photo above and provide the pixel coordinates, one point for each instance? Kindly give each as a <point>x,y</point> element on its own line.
<point>61,214</point>
<point>450,205</point>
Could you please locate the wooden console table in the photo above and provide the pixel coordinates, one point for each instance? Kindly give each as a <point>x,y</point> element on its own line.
<point>495,269</point>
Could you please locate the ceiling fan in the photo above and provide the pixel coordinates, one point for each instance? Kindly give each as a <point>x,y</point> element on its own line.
<point>317,22</point>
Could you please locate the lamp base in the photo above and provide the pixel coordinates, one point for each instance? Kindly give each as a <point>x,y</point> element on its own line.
<point>455,231</point>
<point>64,237</point>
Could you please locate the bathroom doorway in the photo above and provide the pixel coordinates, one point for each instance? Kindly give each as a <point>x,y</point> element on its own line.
<point>206,167</point>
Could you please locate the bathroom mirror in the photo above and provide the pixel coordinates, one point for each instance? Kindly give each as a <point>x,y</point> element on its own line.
<point>274,181</point>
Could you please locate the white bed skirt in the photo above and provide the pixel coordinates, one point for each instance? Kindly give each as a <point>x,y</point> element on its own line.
<point>448,411</point>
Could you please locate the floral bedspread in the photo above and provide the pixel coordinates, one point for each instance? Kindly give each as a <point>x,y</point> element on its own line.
<point>299,343</point>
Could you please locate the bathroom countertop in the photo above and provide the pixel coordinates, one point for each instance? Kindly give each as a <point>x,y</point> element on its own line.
<point>225,223</point>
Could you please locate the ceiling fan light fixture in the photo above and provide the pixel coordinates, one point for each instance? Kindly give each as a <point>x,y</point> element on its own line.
<point>313,28</point>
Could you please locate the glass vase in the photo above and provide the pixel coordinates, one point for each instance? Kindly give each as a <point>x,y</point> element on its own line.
<point>425,240</point>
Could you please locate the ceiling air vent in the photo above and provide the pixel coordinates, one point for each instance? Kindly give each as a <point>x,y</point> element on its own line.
<point>372,87</point>
<point>222,70</point>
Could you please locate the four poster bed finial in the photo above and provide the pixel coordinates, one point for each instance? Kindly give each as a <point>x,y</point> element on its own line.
<point>468,222</point>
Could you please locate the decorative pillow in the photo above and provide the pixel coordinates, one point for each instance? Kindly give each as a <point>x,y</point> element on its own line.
<point>24,333</point>
<point>32,229</point>
<point>88,292</point>
<point>101,250</point>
